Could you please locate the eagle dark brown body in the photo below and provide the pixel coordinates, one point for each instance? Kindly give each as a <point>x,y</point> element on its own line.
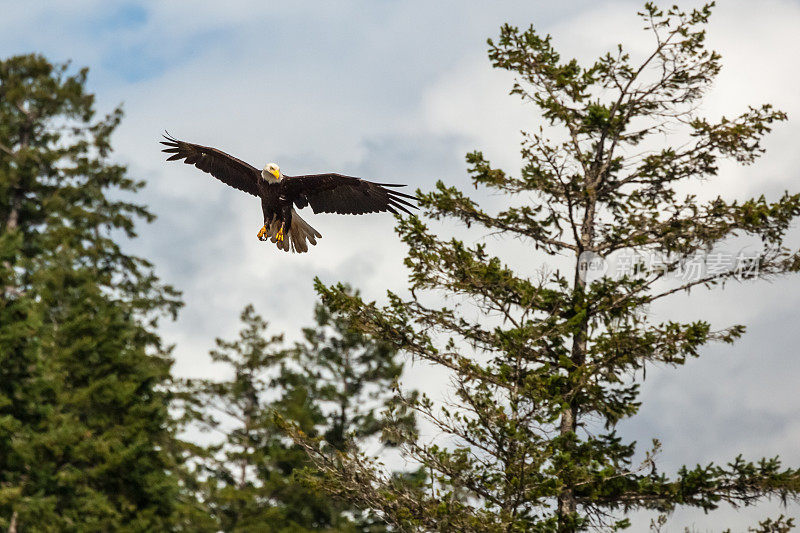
<point>280,194</point>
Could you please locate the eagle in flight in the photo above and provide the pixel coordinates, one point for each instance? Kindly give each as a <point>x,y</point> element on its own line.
<point>325,193</point>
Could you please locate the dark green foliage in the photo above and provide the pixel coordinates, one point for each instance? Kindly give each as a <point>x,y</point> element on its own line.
<point>83,419</point>
<point>353,375</point>
<point>330,386</point>
<point>546,371</point>
<point>247,478</point>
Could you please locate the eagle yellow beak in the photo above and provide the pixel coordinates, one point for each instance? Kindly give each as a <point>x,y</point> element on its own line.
<point>275,172</point>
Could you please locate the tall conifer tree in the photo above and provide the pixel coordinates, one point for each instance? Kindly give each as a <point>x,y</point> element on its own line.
<point>352,375</point>
<point>83,420</point>
<point>549,367</point>
<point>246,473</point>
<point>333,384</point>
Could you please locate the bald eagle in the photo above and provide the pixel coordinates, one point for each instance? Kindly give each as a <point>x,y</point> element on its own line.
<point>325,193</point>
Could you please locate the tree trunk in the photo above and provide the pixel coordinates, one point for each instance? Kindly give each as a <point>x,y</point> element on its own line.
<point>567,505</point>
<point>12,526</point>
<point>13,216</point>
<point>16,194</point>
<point>12,221</point>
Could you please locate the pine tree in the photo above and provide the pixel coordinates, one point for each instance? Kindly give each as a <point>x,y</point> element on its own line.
<point>83,420</point>
<point>550,367</point>
<point>330,385</point>
<point>247,481</point>
<point>352,375</point>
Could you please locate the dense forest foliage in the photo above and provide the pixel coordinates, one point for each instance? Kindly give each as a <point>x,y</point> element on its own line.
<point>97,434</point>
<point>84,423</point>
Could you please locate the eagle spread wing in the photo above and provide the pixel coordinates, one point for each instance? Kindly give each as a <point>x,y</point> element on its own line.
<point>222,166</point>
<point>346,195</point>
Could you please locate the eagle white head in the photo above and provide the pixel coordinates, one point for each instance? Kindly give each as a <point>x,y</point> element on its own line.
<point>272,173</point>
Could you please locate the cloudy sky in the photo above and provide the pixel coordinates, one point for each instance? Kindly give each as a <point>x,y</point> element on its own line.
<point>401,90</point>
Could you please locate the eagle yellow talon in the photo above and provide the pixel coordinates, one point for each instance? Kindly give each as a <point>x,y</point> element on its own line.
<point>279,236</point>
<point>262,233</point>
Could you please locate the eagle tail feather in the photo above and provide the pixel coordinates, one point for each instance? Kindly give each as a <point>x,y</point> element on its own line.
<point>300,232</point>
<point>296,237</point>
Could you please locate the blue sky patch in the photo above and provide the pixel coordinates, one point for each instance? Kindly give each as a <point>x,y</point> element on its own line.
<point>126,16</point>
